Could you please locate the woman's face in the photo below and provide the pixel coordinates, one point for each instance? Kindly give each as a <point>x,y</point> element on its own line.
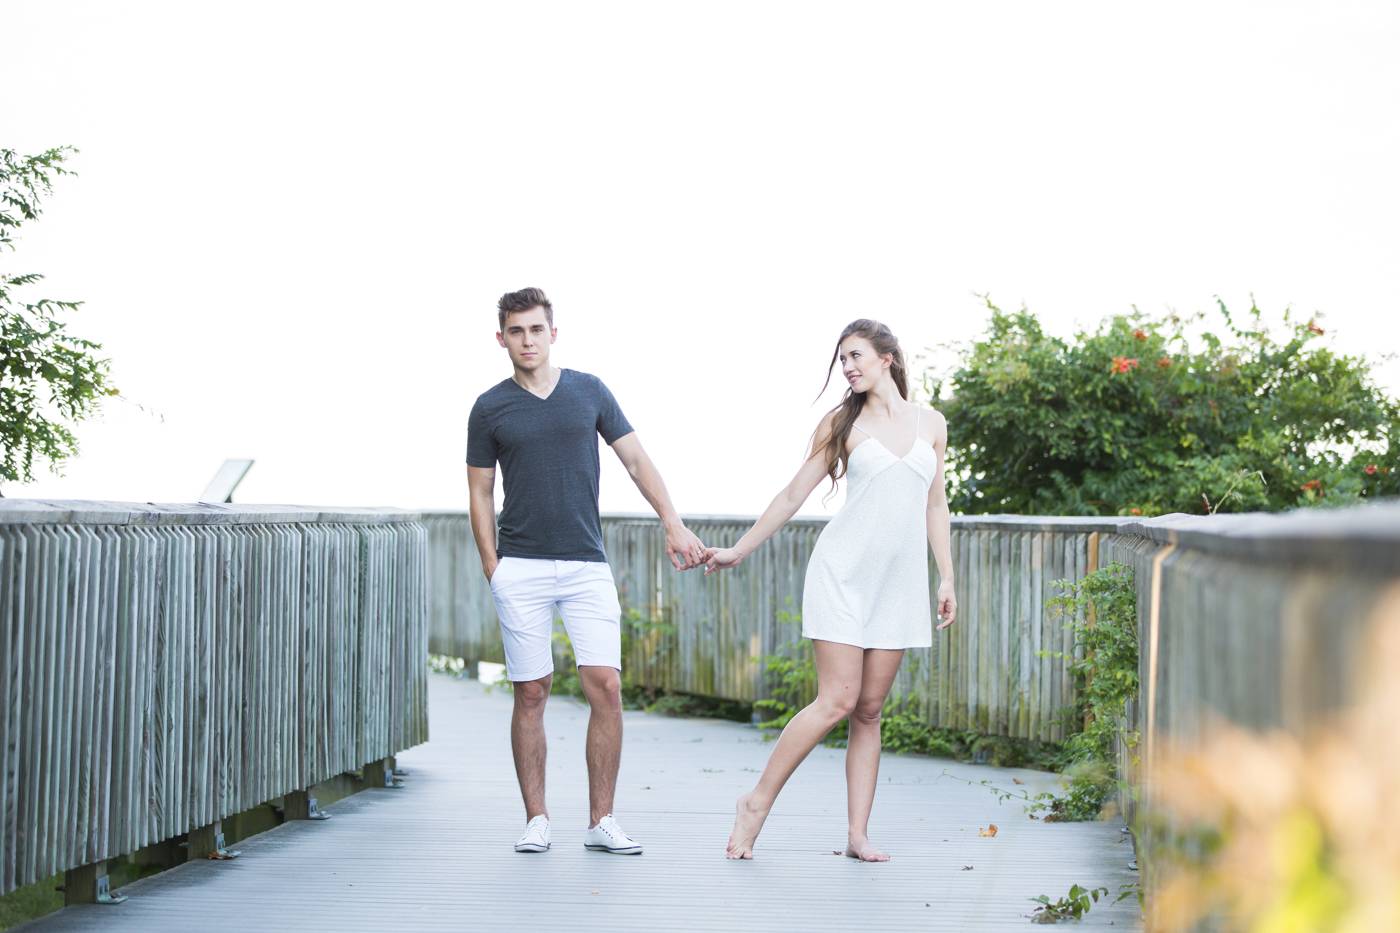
<point>861,365</point>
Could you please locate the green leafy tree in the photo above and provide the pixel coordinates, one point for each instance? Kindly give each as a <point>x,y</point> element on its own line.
<point>49,379</point>
<point>1132,419</point>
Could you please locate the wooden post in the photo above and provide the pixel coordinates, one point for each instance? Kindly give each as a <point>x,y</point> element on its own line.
<point>1092,566</point>
<point>381,774</point>
<point>296,805</point>
<point>166,854</point>
<point>80,884</point>
<point>205,840</point>
<point>87,884</point>
<point>301,805</point>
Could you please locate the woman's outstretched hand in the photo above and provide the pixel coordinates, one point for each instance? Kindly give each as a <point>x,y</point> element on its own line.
<point>947,605</point>
<point>721,558</point>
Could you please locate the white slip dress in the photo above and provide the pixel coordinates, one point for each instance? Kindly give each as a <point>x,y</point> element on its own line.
<point>867,581</point>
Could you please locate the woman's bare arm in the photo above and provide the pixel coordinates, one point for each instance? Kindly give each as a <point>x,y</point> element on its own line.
<point>940,528</point>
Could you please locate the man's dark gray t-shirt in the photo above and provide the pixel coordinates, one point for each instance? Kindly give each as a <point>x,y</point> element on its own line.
<point>548,451</point>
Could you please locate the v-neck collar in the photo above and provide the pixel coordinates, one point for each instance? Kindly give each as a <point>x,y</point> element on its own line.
<point>552,392</point>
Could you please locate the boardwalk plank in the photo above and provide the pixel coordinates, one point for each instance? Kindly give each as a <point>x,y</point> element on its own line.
<point>437,856</point>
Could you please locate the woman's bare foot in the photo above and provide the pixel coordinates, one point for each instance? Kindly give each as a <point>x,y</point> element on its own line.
<point>748,820</point>
<point>863,850</point>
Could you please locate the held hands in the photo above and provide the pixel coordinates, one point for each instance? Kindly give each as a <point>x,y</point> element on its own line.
<point>684,548</point>
<point>947,605</point>
<point>721,558</point>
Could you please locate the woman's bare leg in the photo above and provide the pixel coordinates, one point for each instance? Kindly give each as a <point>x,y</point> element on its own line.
<point>863,749</point>
<point>838,688</point>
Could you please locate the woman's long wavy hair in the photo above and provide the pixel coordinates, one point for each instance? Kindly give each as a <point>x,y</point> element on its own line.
<point>852,403</point>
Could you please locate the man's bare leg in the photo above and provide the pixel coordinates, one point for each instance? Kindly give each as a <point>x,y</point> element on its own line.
<point>863,749</point>
<point>839,669</point>
<point>527,742</point>
<point>603,688</point>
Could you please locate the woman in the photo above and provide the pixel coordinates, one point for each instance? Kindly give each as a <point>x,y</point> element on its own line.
<point>866,595</point>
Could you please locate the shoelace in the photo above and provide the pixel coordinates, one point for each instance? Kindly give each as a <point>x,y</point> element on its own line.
<point>609,825</point>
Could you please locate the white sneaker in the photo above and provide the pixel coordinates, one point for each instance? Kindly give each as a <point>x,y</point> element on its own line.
<point>607,836</point>
<point>536,838</point>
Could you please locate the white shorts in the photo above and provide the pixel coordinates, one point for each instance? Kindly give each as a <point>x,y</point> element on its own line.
<point>526,591</point>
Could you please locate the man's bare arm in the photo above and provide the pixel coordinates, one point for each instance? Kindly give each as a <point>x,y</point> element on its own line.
<point>684,549</point>
<point>481,483</point>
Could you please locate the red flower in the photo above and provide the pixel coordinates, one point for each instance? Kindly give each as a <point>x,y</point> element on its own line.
<point>1312,326</point>
<point>1139,335</point>
<point>1371,469</point>
<point>1137,511</point>
<point>1121,365</point>
<point>1164,362</point>
<point>1312,485</point>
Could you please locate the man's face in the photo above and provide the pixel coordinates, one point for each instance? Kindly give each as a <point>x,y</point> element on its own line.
<point>527,338</point>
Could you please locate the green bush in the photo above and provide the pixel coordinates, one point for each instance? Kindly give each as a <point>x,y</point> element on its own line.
<point>687,704</point>
<point>1130,418</point>
<point>1071,908</point>
<point>1102,612</point>
<point>902,732</point>
<point>1088,792</point>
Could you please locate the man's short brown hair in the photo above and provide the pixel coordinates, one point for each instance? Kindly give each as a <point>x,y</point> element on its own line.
<point>523,300</point>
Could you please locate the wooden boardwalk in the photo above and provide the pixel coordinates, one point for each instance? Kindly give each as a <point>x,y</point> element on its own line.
<point>437,854</point>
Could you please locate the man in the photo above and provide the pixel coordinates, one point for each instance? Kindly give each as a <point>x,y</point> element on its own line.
<point>541,425</point>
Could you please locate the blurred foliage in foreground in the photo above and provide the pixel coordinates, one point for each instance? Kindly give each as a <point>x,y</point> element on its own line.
<point>1272,834</point>
<point>1131,419</point>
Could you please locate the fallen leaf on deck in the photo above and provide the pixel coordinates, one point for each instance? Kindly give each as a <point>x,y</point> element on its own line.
<point>592,892</point>
<point>989,831</point>
<point>1034,817</point>
<point>965,868</point>
<point>1018,780</point>
<point>835,851</point>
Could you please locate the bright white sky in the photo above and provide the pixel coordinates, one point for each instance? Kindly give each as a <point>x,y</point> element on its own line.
<point>293,219</point>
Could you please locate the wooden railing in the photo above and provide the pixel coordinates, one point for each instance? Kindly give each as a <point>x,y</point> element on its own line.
<point>1258,621</point>
<point>165,667</point>
<point>985,672</point>
<point>1260,618</point>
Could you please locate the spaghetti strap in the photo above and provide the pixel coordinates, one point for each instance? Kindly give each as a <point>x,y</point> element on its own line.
<point>918,418</point>
<point>861,430</point>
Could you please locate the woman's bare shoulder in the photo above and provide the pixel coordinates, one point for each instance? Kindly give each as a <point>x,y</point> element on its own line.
<point>933,425</point>
<point>929,413</point>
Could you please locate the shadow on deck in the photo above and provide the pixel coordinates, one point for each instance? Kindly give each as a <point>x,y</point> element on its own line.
<point>437,854</point>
